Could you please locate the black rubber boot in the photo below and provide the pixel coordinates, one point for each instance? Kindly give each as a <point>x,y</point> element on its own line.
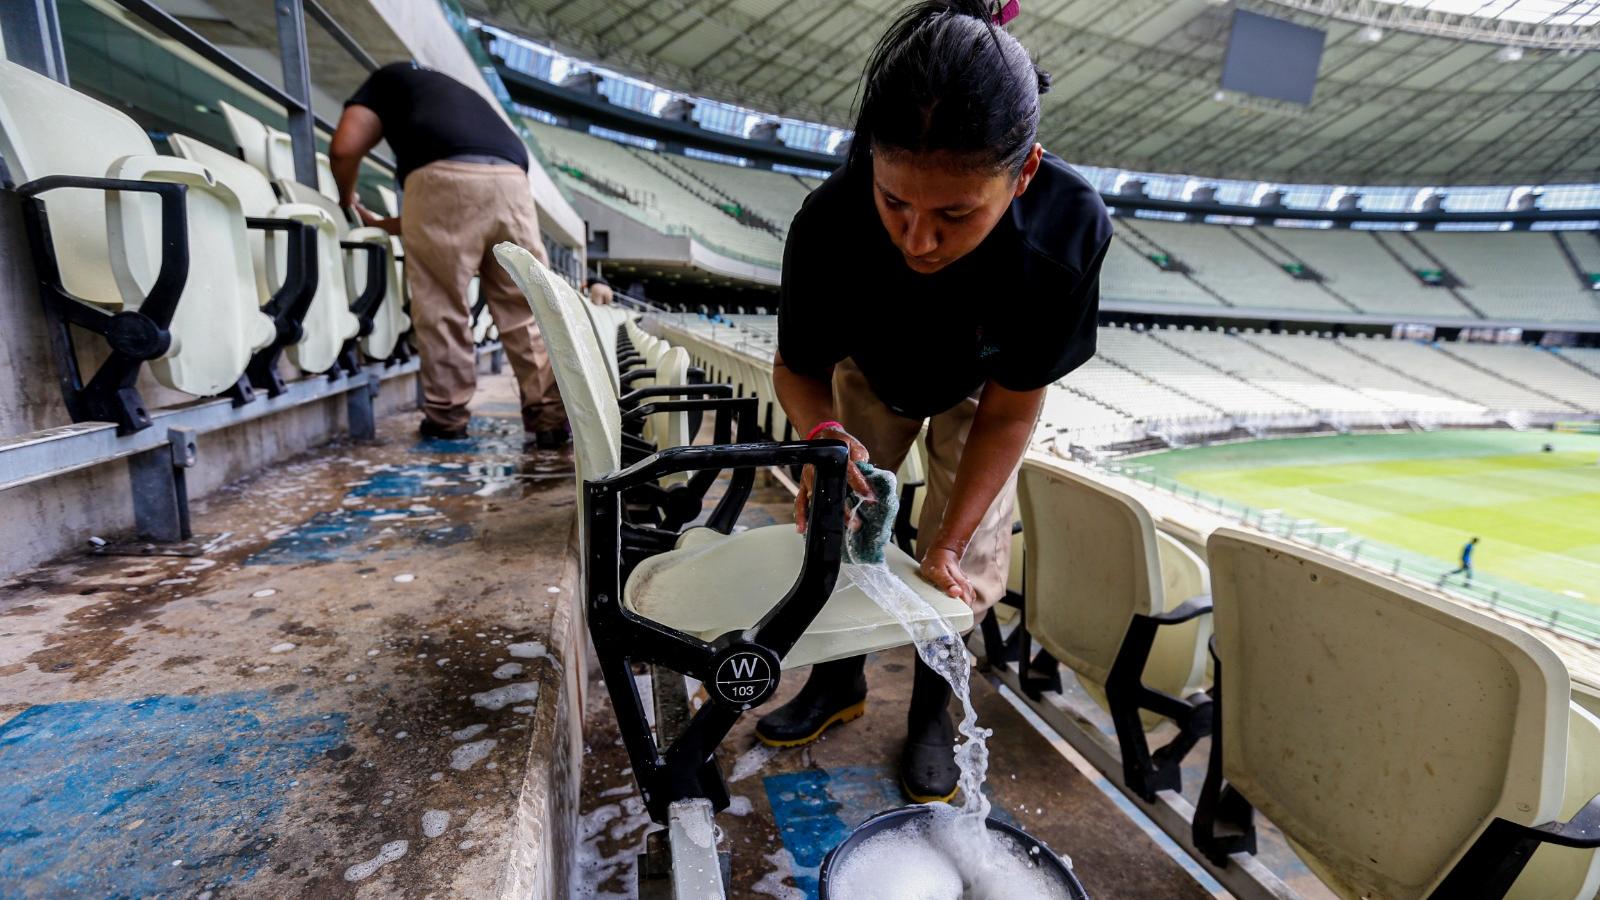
<point>835,693</point>
<point>928,769</point>
<point>433,430</point>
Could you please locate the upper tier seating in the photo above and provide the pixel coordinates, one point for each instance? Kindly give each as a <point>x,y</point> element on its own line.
<point>107,256</point>
<point>1229,266</point>
<point>1358,268</point>
<point>1513,275</point>
<point>774,196</point>
<point>1128,274</point>
<point>652,197</point>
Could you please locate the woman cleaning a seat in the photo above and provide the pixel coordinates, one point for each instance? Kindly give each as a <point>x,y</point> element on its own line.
<point>946,274</point>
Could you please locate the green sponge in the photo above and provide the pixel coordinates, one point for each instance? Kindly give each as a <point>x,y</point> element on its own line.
<point>874,520</point>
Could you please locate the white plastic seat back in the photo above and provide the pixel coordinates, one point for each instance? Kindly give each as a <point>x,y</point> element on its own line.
<point>575,355</point>
<point>485,321</point>
<point>250,133</point>
<point>108,245</point>
<point>1093,561</point>
<point>391,321</point>
<point>326,185</point>
<point>605,333</point>
<point>328,322</point>
<point>1379,727</point>
<point>392,309</point>
<point>391,200</point>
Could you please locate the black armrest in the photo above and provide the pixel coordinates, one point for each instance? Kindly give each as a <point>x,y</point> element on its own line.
<point>1192,608</point>
<point>292,299</point>
<point>162,300</point>
<point>366,305</point>
<point>1496,859</point>
<point>626,379</point>
<point>632,398</point>
<point>632,359</point>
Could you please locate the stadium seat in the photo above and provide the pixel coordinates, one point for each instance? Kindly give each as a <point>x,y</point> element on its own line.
<point>327,322</point>
<point>148,251</point>
<point>1407,746</point>
<point>1124,606</point>
<point>374,278</point>
<point>767,592</point>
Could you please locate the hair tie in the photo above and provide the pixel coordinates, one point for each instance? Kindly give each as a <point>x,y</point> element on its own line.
<point>1005,13</point>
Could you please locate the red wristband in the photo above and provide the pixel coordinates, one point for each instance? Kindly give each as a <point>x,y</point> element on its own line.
<point>824,426</point>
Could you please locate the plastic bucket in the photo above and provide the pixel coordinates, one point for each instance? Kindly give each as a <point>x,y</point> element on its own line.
<point>910,815</point>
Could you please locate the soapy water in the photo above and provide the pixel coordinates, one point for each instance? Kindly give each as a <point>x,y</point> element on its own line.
<point>926,860</point>
<point>955,854</point>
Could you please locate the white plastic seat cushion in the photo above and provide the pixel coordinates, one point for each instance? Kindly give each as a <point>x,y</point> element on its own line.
<point>108,245</point>
<point>710,588</point>
<point>391,312</point>
<point>1381,728</point>
<point>328,322</point>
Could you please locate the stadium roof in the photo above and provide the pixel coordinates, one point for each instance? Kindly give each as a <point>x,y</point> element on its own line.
<point>1440,92</point>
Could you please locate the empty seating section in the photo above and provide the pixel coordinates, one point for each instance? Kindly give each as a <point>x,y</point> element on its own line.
<point>1585,249</point>
<point>1128,274</point>
<point>604,170</point>
<point>1228,265</point>
<point>774,196</point>
<point>1537,370</point>
<point>1510,275</point>
<point>1171,362</point>
<point>1340,362</point>
<point>1134,395</point>
<point>1356,265</point>
<point>1250,363</point>
<point>1425,362</point>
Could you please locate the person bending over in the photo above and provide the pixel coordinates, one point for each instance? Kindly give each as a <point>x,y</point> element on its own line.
<point>946,274</point>
<point>464,173</point>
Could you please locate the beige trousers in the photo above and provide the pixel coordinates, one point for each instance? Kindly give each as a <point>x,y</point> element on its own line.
<point>889,437</point>
<point>455,213</point>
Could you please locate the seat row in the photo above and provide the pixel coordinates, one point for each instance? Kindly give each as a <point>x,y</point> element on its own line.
<point>209,265</point>
<point>1404,745</point>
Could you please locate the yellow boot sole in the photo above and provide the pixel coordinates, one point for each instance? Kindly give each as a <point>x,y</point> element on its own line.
<point>848,714</point>
<point>915,797</point>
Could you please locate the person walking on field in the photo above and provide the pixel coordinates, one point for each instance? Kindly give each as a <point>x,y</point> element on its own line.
<point>1466,562</point>
<point>463,173</point>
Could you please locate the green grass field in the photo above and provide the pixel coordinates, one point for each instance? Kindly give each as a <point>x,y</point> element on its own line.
<point>1537,514</point>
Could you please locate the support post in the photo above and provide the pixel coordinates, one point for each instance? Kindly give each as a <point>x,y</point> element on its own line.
<point>161,490</point>
<point>32,33</point>
<point>291,17</point>
<point>361,408</point>
<point>497,361</point>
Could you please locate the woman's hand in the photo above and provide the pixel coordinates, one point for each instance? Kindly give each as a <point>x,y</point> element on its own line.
<point>808,476</point>
<point>941,567</point>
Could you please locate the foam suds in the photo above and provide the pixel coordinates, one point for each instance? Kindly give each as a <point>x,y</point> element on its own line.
<point>386,854</point>
<point>526,650</point>
<point>469,732</point>
<point>467,755</point>
<point>507,671</point>
<point>434,822</point>
<point>504,696</point>
<point>284,647</point>
<point>751,761</point>
<point>929,861</point>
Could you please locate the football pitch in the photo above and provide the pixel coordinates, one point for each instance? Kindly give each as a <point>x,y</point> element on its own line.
<point>1536,513</point>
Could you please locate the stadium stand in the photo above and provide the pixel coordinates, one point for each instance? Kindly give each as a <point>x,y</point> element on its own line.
<point>1357,266</point>
<point>1509,275</point>
<point>774,196</point>
<point>622,179</point>
<point>1538,370</point>
<point>1232,266</point>
<point>1130,274</point>
<point>1339,362</point>
<point>1167,357</point>
<point>1423,361</point>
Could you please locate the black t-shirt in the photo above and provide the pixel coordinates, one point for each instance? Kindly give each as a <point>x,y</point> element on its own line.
<point>1021,308</point>
<point>428,116</point>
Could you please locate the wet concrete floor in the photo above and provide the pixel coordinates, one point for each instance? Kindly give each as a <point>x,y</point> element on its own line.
<point>337,699</point>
